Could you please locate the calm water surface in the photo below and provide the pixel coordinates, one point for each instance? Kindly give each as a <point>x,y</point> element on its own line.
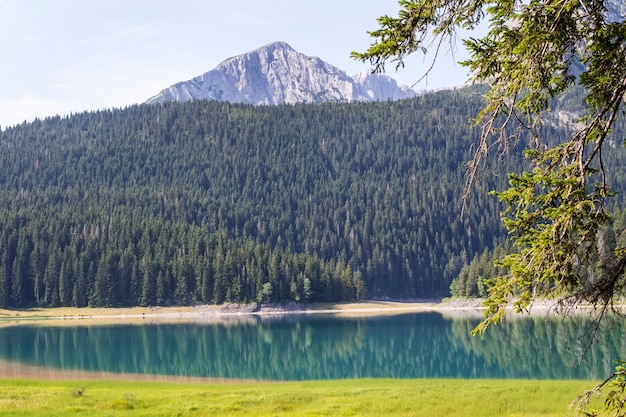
<point>322,347</point>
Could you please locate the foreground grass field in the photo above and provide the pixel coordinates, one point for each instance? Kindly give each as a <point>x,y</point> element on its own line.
<point>432,398</point>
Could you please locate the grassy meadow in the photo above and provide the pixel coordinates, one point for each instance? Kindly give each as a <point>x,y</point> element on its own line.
<point>361,397</point>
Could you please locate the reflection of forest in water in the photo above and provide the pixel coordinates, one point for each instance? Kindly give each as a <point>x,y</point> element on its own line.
<point>322,347</point>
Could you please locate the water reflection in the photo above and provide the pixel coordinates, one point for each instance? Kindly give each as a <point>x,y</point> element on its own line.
<point>321,347</point>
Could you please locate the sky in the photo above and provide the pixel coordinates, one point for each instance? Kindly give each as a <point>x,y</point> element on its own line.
<point>68,56</point>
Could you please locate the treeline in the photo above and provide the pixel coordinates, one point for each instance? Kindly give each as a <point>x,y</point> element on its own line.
<point>142,261</point>
<point>212,202</point>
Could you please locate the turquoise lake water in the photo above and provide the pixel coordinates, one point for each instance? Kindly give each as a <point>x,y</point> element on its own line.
<point>313,347</point>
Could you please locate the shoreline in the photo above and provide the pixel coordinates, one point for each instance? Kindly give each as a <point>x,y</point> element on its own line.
<point>236,312</point>
<point>16,370</point>
<point>370,307</point>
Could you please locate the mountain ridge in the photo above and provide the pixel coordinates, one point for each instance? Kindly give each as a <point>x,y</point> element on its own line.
<point>277,74</point>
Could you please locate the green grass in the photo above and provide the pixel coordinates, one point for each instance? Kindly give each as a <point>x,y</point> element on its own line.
<point>369,397</point>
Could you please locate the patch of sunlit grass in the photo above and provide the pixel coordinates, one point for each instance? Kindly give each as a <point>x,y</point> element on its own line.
<point>362,397</point>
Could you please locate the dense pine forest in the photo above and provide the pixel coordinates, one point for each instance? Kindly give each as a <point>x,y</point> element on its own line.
<point>211,202</point>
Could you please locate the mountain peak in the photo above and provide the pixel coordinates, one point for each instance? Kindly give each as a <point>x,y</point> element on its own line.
<point>269,48</point>
<point>277,45</point>
<point>276,74</point>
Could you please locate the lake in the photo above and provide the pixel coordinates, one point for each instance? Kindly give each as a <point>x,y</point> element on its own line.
<point>320,346</point>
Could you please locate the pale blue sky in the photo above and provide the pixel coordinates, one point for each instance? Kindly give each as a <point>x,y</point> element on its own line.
<point>67,56</point>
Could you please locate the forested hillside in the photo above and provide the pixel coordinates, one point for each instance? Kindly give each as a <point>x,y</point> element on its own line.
<point>213,202</point>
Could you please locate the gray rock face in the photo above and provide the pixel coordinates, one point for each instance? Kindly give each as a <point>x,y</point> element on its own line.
<point>277,74</point>
<point>615,10</point>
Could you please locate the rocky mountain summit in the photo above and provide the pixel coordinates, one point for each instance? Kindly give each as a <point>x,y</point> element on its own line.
<point>277,74</point>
